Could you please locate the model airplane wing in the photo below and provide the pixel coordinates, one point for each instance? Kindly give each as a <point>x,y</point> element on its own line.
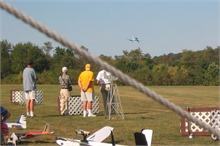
<point>101,134</point>
<point>20,124</point>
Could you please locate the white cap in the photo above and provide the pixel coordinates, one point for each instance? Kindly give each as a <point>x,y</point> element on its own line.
<point>64,69</point>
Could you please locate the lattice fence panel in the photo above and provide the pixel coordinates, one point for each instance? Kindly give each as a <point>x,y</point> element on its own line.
<point>18,97</point>
<point>75,105</point>
<point>203,116</point>
<point>207,115</point>
<point>215,119</point>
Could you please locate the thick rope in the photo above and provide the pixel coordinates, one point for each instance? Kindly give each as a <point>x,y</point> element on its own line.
<point>123,77</point>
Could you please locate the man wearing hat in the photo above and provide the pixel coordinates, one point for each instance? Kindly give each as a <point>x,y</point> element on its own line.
<point>65,83</point>
<point>86,84</point>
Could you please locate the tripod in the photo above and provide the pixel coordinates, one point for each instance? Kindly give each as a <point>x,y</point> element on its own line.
<point>114,103</point>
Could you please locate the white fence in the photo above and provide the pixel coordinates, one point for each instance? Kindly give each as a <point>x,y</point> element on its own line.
<point>18,97</point>
<point>75,105</point>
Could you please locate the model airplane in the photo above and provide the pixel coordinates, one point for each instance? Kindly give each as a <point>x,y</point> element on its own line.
<point>25,136</point>
<point>98,137</point>
<point>133,39</point>
<point>20,124</point>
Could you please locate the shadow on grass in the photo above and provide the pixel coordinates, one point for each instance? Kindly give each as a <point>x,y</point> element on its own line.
<point>135,113</point>
<point>38,142</point>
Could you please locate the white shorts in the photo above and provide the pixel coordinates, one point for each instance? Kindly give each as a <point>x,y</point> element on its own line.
<point>87,96</point>
<point>30,94</point>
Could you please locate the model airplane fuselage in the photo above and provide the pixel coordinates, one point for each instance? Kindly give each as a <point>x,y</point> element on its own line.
<point>134,39</point>
<point>28,135</point>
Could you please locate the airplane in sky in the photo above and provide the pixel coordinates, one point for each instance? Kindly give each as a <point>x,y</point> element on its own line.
<point>99,136</point>
<point>133,39</point>
<point>28,135</point>
<point>20,124</point>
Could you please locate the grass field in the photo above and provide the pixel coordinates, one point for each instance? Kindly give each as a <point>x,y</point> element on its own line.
<point>140,112</point>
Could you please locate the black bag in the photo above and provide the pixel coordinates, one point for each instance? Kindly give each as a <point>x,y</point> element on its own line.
<point>70,88</point>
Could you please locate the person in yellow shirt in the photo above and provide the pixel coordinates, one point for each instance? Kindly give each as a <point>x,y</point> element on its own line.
<point>86,84</point>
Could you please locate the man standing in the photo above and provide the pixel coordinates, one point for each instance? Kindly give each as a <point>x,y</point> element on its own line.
<point>29,87</point>
<point>65,82</point>
<point>103,79</point>
<point>86,84</point>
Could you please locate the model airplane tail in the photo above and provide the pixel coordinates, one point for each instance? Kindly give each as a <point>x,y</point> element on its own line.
<point>46,129</point>
<point>144,137</point>
<point>20,124</point>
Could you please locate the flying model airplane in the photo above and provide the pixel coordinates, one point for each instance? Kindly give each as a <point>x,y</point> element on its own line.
<point>133,39</point>
<point>25,136</point>
<point>98,137</point>
<point>20,124</point>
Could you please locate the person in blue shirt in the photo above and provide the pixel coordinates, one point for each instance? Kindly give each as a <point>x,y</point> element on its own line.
<point>29,87</point>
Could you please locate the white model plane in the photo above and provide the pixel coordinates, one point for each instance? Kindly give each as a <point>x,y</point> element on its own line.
<point>133,39</point>
<point>20,124</point>
<point>99,136</point>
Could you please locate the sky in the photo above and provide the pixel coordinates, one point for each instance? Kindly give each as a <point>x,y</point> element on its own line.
<point>104,26</point>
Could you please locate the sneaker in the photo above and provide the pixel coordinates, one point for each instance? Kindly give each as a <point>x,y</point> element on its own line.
<point>91,115</point>
<point>84,114</point>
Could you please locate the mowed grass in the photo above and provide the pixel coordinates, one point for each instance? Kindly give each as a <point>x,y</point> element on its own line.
<point>140,111</point>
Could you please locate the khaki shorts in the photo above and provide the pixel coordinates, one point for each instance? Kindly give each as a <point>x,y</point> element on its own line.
<point>30,94</point>
<point>87,96</point>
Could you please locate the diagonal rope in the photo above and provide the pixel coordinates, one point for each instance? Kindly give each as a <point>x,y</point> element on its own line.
<point>123,77</point>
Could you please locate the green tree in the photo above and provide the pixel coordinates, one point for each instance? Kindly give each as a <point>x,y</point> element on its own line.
<point>212,75</point>
<point>135,63</point>
<point>21,53</point>
<point>6,48</point>
<point>47,48</point>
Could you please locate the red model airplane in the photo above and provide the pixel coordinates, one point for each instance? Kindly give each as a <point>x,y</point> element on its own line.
<point>16,137</point>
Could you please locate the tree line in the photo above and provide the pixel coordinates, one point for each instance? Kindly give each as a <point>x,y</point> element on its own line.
<point>200,68</point>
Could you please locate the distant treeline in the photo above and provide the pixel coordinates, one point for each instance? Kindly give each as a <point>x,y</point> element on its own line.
<point>185,68</point>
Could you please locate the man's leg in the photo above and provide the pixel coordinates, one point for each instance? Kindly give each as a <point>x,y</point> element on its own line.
<point>104,97</point>
<point>32,100</point>
<point>90,109</point>
<point>32,107</point>
<point>84,108</point>
<point>27,107</point>
<point>62,105</point>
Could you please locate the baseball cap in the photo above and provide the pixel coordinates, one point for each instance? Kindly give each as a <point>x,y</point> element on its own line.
<point>88,66</point>
<point>64,69</point>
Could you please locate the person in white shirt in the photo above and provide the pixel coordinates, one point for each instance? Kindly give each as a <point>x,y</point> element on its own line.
<point>104,80</point>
